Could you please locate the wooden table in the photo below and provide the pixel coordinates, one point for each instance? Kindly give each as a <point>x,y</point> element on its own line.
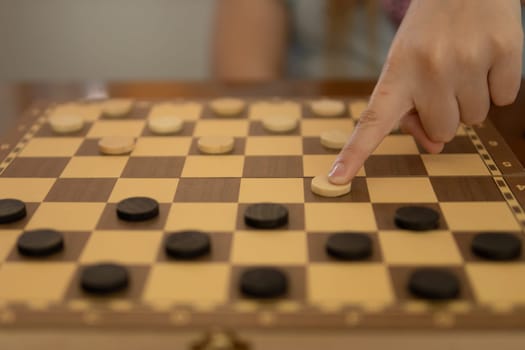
<point>14,98</point>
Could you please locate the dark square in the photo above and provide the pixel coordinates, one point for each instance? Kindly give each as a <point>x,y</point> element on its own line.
<point>30,210</point>
<point>80,190</point>
<point>110,221</point>
<point>273,166</point>
<point>464,242</point>
<point>401,274</point>
<point>296,277</point>
<point>358,193</point>
<point>153,167</point>
<point>47,131</point>
<point>137,280</point>
<point>238,147</point>
<point>312,145</point>
<point>395,165</point>
<point>187,130</point>
<point>89,147</point>
<point>465,189</point>
<point>36,167</point>
<point>317,251</point>
<point>295,217</point>
<point>221,243</point>
<point>74,243</point>
<point>257,129</point>
<point>139,111</point>
<point>208,190</point>
<point>385,213</point>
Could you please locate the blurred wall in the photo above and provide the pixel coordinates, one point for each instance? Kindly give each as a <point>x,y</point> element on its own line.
<point>110,40</point>
<point>104,39</point>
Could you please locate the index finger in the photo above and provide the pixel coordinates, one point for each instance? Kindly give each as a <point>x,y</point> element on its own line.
<point>388,104</point>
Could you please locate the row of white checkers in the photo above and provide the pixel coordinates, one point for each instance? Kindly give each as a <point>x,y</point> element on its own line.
<point>165,124</point>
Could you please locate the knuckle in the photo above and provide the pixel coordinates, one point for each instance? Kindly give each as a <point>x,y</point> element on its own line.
<point>368,117</point>
<point>430,59</point>
<point>467,58</point>
<point>507,44</point>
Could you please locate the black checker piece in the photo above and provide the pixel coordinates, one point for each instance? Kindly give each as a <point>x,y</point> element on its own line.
<point>104,278</point>
<point>11,210</point>
<point>40,243</point>
<point>416,218</point>
<point>137,209</point>
<point>263,283</point>
<point>187,245</point>
<point>349,246</point>
<point>434,284</point>
<point>496,246</point>
<point>266,215</point>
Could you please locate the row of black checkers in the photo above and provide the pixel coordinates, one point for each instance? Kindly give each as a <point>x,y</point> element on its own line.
<point>262,282</point>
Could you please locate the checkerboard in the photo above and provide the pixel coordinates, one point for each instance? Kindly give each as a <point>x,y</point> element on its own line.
<point>476,184</point>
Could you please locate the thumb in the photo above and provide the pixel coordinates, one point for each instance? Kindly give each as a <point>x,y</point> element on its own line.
<point>386,107</point>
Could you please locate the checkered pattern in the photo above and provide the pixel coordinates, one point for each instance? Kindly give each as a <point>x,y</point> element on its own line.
<point>69,186</point>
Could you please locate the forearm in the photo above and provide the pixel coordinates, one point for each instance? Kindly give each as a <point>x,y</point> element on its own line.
<point>250,40</point>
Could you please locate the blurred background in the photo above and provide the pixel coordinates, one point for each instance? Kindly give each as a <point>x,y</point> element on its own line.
<point>155,39</point>
<point>101,40</point>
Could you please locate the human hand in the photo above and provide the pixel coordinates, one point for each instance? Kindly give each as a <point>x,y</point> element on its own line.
<point>449,60</point>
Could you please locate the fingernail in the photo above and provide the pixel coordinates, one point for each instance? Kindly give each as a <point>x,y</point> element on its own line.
<point>337,172</point>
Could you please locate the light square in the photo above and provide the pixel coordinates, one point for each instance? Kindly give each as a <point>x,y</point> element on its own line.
<point>339,217</point>
<point>479,216</point>
<point>213,166</point>
<point>8,240</point>
<point>51,147</point>
<point>454,165</point>
<point>235,128</point>
<point>188,283</point>
<point>461,131</point>
<point>397,144</point>
<point>90,112</point>
<point>430,248</point>
<point>314,165</point>
<point>343,283</point>
<point>187,111</point>
<point>269,247</point>
<point>162,190</point>
<point>271,190</point>
<point>67,216</point>
<point>315,127</point>
<point>103,128</point>
<point>261,109</point>
<point>94,167</point>
<point>274,145</point>
<point>498,283</point>
<point>162,146</point>
<point>357,108</point>
<point>400,190</point>
<point>128,247</point>
<point>202,216</point>
<point>35,281</point>
<point>27,190</point>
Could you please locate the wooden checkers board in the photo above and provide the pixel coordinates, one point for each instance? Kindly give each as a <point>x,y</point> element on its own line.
<point>476,185</point>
